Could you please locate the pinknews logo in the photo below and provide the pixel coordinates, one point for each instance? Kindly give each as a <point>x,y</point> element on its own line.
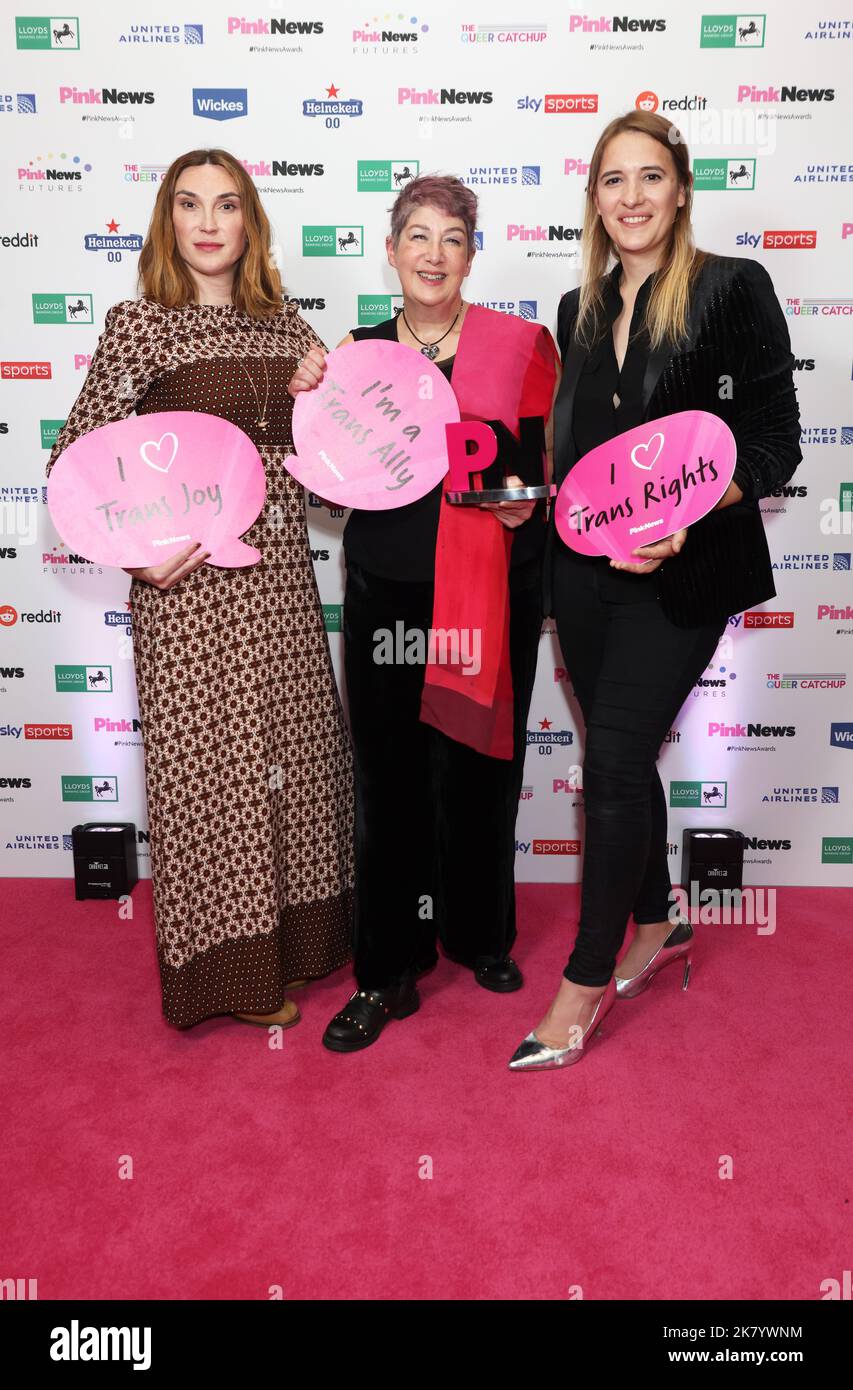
<point>448,96</point>
<point>752,730</point>
<point>619,24</point>
<point>748,93</point>
<point>517,231</point>
<point>828,610</point>
<point>105,96</point>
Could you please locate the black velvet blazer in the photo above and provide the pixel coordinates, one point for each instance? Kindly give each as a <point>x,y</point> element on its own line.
<point>736,331</point>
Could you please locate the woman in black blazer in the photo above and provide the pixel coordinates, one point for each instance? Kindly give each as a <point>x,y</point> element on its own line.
<point>669,328</point>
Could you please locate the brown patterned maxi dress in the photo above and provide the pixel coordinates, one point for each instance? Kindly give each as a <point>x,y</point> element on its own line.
<point>247,756</point>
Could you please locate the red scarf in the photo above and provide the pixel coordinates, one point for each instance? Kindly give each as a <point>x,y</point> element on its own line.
<point>505,369</point>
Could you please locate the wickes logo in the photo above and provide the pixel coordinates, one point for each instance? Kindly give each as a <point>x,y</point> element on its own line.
<point>220,103</point>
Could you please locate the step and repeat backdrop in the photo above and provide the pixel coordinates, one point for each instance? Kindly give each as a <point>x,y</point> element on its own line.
<point>332,109</point>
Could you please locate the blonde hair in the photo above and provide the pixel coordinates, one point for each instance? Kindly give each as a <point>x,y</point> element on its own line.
<point>669,302</point>
<point>163,274</point>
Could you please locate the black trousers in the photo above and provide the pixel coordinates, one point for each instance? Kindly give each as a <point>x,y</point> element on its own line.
<point>632,669</point>
<point>435,820</point>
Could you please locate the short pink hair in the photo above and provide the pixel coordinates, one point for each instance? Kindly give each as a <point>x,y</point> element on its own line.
<point>450,195</point>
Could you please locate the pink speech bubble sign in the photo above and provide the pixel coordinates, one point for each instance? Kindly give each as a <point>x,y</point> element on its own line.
<point>645,484</point>
<point>137,491</point>
<point>372,434</point>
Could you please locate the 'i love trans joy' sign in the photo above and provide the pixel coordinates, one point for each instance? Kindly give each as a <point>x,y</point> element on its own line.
<point>645,484</point>
<point>137,491</point>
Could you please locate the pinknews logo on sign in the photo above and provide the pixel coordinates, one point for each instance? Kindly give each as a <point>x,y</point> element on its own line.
<point>645,484</point>
<point>372,433</point>
<point>135,492</point>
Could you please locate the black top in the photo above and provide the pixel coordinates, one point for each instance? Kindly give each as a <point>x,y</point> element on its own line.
<point>596,418</point>
<point>736,333</point>
<point>400,543</point>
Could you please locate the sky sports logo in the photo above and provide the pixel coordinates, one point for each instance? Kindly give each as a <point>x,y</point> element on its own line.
<point>560,103</point>
<point>25,371</point>
<point>220,103</point>
<point>774,620</point>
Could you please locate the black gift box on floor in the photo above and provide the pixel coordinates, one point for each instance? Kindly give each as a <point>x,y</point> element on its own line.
<point>105,864</point>
<point>712,858</point>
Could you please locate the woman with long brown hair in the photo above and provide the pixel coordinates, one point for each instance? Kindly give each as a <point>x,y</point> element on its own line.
<point>668,328</point>
<point>247,757</point>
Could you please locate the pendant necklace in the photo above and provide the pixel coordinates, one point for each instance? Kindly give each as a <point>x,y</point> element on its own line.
<point>430,350</point>
<point>262,422</point>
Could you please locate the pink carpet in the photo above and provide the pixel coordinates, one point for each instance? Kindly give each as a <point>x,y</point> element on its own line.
<point>300,1168</point>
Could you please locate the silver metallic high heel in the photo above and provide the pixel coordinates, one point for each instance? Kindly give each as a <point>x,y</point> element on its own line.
<point>534,1055</point>
<point>678,949</point>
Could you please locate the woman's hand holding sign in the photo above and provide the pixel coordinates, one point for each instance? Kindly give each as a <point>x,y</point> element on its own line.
<point>309,373</point>
<point>177,567</point>
<point>657,553</point>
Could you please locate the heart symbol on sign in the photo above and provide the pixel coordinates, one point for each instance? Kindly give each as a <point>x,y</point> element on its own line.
<point>150,444</point>
<point>641,449</point>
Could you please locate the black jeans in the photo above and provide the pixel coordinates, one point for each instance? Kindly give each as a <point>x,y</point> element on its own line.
<point>632,669</point>
<point>435,820</point>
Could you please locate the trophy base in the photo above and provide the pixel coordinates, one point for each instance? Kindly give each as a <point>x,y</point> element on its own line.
<point>502,494</point>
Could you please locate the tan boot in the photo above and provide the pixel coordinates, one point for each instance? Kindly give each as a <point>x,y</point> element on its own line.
<point>285,1017</point>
